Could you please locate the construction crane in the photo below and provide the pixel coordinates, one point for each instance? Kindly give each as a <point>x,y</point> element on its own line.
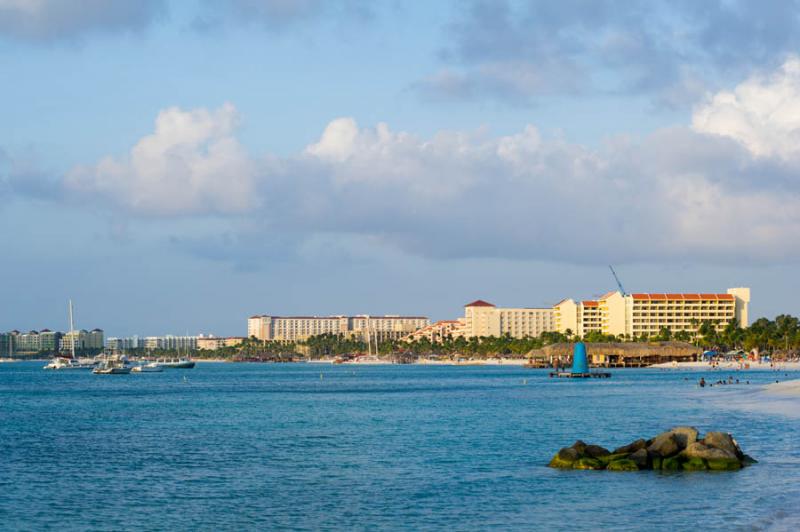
<point>619,284</point>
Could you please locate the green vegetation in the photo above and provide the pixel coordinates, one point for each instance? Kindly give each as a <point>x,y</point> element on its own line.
<point>778,336</point>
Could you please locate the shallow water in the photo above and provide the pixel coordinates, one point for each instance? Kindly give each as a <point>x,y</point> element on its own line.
<point>393,447</point>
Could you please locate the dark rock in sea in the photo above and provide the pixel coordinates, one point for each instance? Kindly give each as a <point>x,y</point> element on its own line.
<point>640,458</point>
<point>595,451</point>
<point>684,436</point>
<point>631,447</point>
<point>722,440</point>
<point>663,445</point>
<point>677,449</point>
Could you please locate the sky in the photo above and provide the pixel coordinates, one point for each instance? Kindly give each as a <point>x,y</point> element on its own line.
<point>175,166</point>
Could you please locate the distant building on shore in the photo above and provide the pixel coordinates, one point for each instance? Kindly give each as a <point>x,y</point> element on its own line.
<point>84,340</point>
<point>170,342</point>
<point>299,328</point>
<point>634,315</point>
<point>485,319</point>
<point>212,343</point>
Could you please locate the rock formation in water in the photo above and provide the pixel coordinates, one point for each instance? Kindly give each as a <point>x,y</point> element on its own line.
<point>679,448</point>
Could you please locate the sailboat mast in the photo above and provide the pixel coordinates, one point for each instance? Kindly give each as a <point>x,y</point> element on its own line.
<point>71,331</point>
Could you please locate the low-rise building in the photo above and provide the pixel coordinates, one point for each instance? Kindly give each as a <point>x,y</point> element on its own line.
<point>485,319</point>
<point>212,343</point>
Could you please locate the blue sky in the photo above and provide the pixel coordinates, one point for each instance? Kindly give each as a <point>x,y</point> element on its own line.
<point>177,166</point>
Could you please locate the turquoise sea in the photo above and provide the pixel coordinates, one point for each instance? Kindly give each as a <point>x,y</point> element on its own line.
<point>320,447</point>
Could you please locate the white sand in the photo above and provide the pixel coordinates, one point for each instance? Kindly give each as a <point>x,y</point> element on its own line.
<point>729,365</point>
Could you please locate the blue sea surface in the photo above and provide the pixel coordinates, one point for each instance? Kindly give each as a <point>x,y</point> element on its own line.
<point>320,447</point>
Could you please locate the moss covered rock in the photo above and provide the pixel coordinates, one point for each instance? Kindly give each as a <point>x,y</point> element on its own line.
<point>607,459</point>
<point>724,464</point>
<point>695,464</point>
<point>588,463</point>
<point>671,463</point>
<point>624,464</point>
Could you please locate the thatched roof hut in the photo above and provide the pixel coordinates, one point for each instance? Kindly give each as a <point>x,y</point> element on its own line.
<point>619,353</point>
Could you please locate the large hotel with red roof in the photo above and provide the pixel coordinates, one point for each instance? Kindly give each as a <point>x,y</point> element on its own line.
<point>614,313</point>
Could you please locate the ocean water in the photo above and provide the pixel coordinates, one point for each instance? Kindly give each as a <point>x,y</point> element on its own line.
<point>319,447</point>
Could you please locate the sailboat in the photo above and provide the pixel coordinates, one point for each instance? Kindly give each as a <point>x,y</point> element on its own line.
<point>62,362</point>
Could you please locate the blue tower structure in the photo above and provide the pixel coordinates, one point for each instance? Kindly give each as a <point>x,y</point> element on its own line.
<point>580,364</point>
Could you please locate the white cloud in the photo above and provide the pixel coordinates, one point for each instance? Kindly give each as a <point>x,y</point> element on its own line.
<point>191,164</point>
<point>763,112</point>
<point>675,194</point>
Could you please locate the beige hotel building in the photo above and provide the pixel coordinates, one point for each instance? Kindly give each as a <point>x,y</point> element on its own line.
<point>633,315</point>
<point>299,328</point>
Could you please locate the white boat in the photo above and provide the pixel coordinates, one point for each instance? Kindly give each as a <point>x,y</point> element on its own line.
<point>152,367</point>
<point>62,363</point>
<point>176,363</point>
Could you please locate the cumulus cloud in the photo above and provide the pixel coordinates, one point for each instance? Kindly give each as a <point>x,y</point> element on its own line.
<point>51,20</point>
<point>763,112</point>
<point>515,52</point>
<point>191,164</point>
<point>681,193</point>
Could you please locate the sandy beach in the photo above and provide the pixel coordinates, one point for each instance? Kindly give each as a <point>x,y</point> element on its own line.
<point>728,366</point>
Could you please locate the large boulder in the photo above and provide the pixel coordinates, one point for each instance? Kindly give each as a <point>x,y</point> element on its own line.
<point>565,458</point>
<point>664,445</point>
<point>684,435</point>
<point>722,440</point>
<point>595,451</point>
<point>631,447</point>
<point>672,463</point>
<point>699,450</point>
<point>579,446</point>
<point>640,458</point>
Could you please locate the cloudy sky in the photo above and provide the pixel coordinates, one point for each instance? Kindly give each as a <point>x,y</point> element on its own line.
<point>175,166</point>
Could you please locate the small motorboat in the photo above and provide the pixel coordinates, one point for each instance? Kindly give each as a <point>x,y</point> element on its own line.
<point>183,363</point>
<point>152,367</point>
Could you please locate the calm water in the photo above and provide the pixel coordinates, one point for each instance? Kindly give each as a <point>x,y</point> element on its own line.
<point>382,447</point>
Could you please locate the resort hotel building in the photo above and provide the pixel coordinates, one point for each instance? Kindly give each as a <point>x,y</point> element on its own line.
<point>634,315</point>
<point>299,328</point>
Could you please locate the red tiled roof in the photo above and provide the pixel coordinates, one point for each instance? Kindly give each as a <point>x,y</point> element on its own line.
<point>590,303</point>
<point>479,303</point>
<point>682,297</point>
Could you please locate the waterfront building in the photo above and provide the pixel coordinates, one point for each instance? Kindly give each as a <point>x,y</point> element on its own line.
<point>300,328</point>
<point>634,315</point>
<point>436,332</point>
<point>124,344</point>
<point>485,319</point>
<point>84,340</point>
<point>212,343</point>
<point>27,342</point>
<point>6,345</point>
<point>170,342</point>
<point>49,340</point>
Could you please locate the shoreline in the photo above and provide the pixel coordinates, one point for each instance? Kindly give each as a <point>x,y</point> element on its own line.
<point>753,366</point>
